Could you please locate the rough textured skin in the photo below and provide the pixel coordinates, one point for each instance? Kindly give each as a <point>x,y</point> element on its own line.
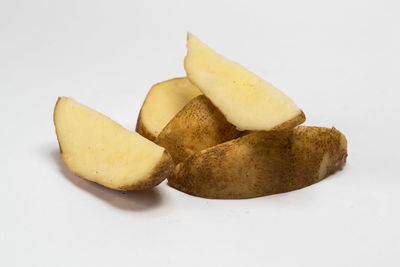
<point>197,126</point>
<point>163,170</point>
<point>262,163</point>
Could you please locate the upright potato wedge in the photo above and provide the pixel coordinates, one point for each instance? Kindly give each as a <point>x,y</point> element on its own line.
<point>246,100</point>
<point>262,163</point>
<point>197,126</point>
<point>98,149</point>
<point>163,101</point>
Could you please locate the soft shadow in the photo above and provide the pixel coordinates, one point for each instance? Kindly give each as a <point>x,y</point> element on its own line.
<point>132,200</point>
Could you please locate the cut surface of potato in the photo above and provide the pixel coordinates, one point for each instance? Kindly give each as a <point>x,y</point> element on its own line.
<point>262,163</point>
<point>246,100</point>
<point>98,149</point>
<point>163,101</point>
<point>197,126</point>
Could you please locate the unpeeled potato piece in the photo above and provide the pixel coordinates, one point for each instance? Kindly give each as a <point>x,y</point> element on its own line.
<point>96,148</point>
<point>197,126</point>
<point>262,163</point>
<point>162,103</point>
<point>200,125</point>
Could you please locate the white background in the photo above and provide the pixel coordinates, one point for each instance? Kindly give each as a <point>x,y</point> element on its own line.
<point>339,61</point>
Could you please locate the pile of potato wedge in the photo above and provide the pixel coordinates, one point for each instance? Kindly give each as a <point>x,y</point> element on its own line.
<point>219,132</point>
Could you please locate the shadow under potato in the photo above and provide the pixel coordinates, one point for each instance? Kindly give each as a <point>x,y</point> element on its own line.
<point>131,200</point>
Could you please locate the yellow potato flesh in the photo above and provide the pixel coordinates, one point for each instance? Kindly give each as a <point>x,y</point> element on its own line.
<point>164,101</point>
<point>246,100</point>
<point>98,149</point>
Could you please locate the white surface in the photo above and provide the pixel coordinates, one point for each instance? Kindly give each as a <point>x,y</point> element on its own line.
<point>338,60</point>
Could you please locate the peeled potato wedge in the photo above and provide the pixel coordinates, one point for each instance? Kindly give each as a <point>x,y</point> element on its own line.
<point>98,149</point>
<point>262,163</point>
<point>246,100</point>
<point>197,126</point>
<point>163,101</point>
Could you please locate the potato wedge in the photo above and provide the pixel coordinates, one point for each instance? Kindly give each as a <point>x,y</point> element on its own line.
<point>197,126</point>
<point>262,163</point>
<point>98,149</point>
<point>200,125</point>
<point>246,100</point>
<point>163,101</point>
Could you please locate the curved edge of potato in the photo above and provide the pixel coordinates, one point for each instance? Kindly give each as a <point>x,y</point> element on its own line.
<point>161,171</point>
<point>141,128</point>
<point>140,125</point>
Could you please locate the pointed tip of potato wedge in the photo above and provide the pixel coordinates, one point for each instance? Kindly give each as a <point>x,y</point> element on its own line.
<point>293,122</point>
<point>96,148</point>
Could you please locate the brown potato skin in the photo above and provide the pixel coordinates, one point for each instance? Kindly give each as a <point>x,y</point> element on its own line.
<point>261,163</point>
<point>197,126</point>
<point>299,119</point>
